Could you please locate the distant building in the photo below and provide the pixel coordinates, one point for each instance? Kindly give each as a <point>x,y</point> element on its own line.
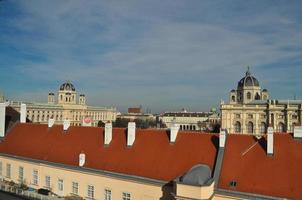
<point>137,110</point>
<point>136,113</point>
<point>159,164</point>
<point>66,105</point>
<point>191,120</point>
<point>250,110</point>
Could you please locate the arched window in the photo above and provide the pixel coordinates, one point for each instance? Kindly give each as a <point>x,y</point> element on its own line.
<point>248,95</point>
<point>233,98</point>
<point>257,96</point>
<point>61,97</point>
<point>237,127</point>
<point>250,127</point>
<point>262,128</point>
<point>281,127</point>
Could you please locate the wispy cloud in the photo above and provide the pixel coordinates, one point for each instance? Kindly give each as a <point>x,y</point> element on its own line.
<point>164,55</point>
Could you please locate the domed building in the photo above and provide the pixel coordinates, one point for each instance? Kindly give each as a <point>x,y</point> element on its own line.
<point>248,90</point>
<point>67,105</point>
<point>250,111</point>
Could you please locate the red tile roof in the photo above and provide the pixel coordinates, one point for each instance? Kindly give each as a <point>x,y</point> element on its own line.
<point>151,155</point>
<point>256,172</point>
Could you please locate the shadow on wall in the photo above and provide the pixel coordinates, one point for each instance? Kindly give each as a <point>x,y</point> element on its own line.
<point>215,142</point>
<point>12,116</point>
<point>168,189</point>
<point>263,143</point>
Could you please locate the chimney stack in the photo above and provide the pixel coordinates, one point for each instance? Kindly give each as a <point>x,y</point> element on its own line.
<point>270,141</point>
<point>131,133</point>
<point>108,133</point>
<point>82,159</point>
<point>2,118</point>
<point>51,122</point>
<point>23,113</point>
<point>66,124</point>
<point>298,132</point>
<point>173,132</point>
<point>222,137</point>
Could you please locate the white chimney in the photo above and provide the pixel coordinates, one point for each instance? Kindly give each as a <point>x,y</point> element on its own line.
<point>298,132</point>
<point>66,124</point>
<point>2,118</point>
<point>82,159</point>
<point>23,113</point>
<point>108,133</point>
<point>51,122</point>
<point>173,132</point>
<point>131,133</point>
<point>222,137</point>
<point>270,141</point>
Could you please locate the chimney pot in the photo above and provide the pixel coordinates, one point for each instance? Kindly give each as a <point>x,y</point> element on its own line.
<point>51,122</point>
<point>222,137</point>
<point>298,132</point>
<point>173,132</point>
<point>270,141</point>
<point>131,133</point>
<point>23,113</point>
<point>108,133</point>
<point>2,118</point>
<point>82,159</point>
<point>66,125</point>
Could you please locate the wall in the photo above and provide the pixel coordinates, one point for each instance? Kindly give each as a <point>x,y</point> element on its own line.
<point>117,186</point>
<point>194,192</point>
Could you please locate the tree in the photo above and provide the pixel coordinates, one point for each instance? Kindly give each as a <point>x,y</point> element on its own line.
<point>101,124</point>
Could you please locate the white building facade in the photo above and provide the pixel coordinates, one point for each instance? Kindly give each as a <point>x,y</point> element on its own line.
<point>68,106</point>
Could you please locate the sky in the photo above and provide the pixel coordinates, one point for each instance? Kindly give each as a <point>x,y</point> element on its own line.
<point>163,55</point>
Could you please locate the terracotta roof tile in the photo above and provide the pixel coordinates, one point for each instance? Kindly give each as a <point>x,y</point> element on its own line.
<point>256,172</point>
<point>151,155</point>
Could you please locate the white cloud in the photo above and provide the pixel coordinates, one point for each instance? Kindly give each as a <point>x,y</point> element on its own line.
<point>142,53</point>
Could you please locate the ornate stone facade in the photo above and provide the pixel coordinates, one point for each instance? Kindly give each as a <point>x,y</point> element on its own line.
<point>250,110</point>
<point>66,107</point>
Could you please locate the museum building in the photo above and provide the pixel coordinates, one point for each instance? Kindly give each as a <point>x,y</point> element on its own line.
<point>250,110</point>
<point>67,105</point>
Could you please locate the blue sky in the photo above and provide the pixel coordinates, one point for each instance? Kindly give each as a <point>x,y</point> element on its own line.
<point>164,55</point>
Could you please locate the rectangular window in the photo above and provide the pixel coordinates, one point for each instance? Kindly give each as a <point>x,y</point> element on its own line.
<point>0,168</point>
<point>126,196</point>
<point>107,194</point>
<point>75,187</point>
<point>8,170</point>
<point>21,174</point>
<point>47,181</point>
<point>35,177</point>
<point>60,185</point>
<point>90,191</point>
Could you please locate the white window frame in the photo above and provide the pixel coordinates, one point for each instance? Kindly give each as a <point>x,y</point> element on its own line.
<point>8,170</point>
<point>75,187</point>
<point>61,186</point>
<point>1,169</point>
<point>90,191</point>
<point>126,196</point>
<point>21,174</point>
<point>107,194</point>
<point>35,177</point>
<point>47,181</point>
